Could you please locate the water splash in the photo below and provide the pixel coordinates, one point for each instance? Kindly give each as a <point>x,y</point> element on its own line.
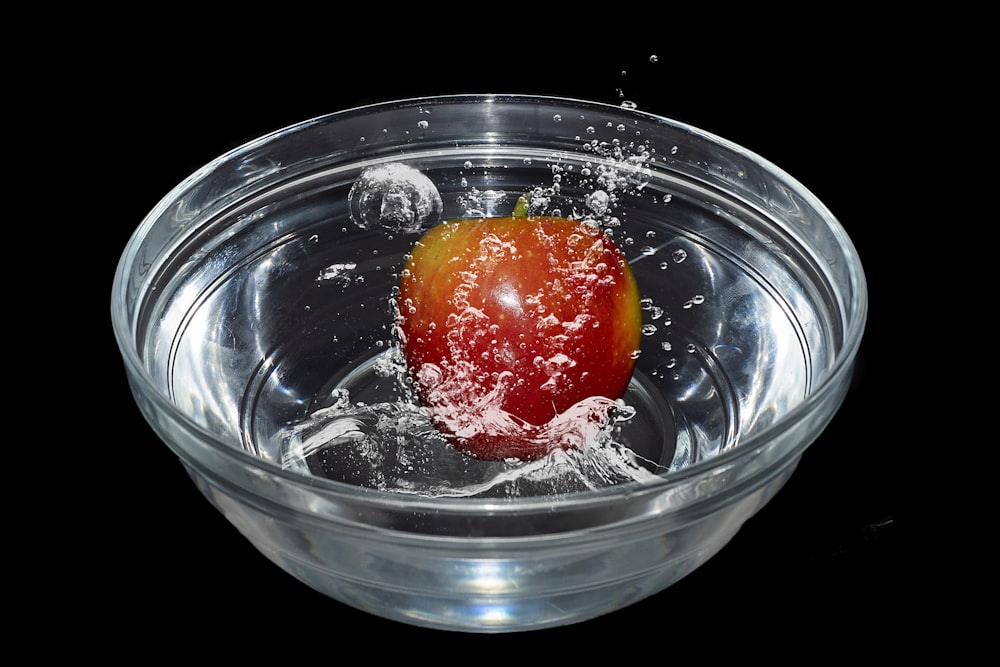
<point>394,446</point>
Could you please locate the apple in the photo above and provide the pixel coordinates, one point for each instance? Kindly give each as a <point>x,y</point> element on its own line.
<point>512,328</point>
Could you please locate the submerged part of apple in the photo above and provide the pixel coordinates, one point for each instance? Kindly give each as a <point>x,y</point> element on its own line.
<point>520,333</point>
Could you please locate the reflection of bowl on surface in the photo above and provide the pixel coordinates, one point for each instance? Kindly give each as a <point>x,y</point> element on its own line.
<point>253,308</point>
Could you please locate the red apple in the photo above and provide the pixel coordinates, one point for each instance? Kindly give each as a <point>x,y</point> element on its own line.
<point>514,327</point>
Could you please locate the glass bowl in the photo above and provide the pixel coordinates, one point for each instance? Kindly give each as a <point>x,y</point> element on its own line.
<point>255,311</point>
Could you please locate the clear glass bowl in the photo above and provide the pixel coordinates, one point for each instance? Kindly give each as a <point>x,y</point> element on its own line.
<point>254,311</point>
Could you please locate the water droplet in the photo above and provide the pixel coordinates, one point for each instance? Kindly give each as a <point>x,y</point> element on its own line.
<point>394,196</point>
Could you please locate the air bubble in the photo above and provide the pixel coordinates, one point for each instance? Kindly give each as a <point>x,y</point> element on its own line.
<point>648,329</point>
<point>694,301</point>
<point>679,255</point>
<point>394,196</point>
<point>557,118</point>
<point>647,250</point>
<point>422,124</point>
<point>598,201</point>
<point>467,164</point>
<point>654,58</point>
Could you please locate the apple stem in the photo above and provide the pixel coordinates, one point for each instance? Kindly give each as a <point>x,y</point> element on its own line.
<point>521,208</point>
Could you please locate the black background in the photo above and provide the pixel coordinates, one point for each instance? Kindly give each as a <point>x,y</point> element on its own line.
<point>826,557</point>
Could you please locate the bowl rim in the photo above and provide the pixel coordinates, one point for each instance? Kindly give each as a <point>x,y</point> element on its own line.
<point>752,446</point>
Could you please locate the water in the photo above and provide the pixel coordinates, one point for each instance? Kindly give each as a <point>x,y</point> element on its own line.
<point>288,346</point>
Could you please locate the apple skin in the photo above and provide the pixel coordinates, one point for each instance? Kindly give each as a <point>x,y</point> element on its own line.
<point>508,323</point>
